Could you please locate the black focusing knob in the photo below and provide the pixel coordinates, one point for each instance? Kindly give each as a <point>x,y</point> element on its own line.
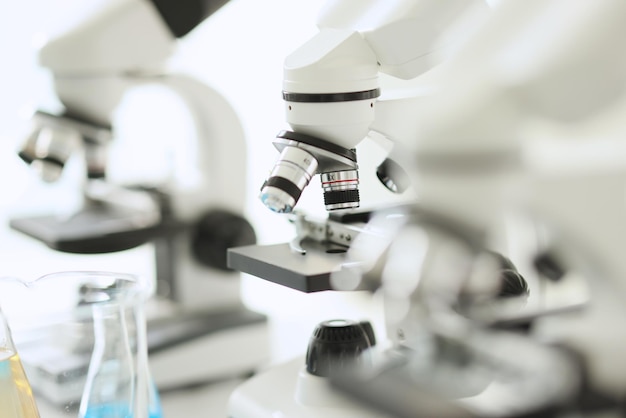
<point>334,197</point>
<point>337,345</point>
<point>217,231</point>
<point>512,282</point>
<point>393,176</point>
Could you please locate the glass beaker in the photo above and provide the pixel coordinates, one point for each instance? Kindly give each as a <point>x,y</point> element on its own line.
<point>16,395</point>
<point>83,343</point>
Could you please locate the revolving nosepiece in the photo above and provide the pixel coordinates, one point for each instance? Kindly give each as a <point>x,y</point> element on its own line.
<point>301,157</point>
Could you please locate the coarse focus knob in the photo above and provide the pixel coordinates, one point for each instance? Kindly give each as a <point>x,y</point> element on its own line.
<point>216,232</point>
<point>337,345</point>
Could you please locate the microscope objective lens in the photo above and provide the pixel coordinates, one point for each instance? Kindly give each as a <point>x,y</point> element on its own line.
<point>275,203</point>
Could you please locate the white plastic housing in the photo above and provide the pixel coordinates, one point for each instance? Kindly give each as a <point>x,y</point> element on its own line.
<point>343,123</point>
<point>406,36</point>
<point>288,391</point>
<point>334,60</point>
<point>122,36</point>
<point>92,98</point>
<point>92,60</point>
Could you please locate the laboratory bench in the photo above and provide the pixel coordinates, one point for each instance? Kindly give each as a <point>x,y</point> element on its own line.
<point>208,401</point>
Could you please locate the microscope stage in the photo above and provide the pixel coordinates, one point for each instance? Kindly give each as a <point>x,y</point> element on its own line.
<point>278,263</point>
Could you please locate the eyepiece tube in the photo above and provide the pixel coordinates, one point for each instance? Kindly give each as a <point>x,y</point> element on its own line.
<point>291,174</point>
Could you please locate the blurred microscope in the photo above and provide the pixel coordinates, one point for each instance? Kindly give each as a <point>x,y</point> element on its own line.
<point>517,125</point>
<point>198,328</point>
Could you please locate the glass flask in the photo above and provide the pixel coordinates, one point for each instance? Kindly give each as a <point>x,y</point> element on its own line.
<point>118,382</point>
<point>81,336</point>
<point>16,395</point>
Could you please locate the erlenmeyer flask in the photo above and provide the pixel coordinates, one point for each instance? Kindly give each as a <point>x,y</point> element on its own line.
<point>16,396</point>
<point>118,383</point>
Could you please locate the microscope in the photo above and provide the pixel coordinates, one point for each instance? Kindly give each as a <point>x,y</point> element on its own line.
<point>497,135</point>
<point>333,101</point>
<point>198,329</point>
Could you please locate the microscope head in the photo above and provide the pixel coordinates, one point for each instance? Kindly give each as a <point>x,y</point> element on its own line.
<point>330,87</point>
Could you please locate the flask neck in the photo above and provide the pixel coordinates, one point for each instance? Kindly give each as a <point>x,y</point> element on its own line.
<point>114,333</point>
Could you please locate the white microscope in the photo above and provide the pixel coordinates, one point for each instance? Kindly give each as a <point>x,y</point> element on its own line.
<point>492,136</point>
<point>331,91</point>
<point>200,330</point>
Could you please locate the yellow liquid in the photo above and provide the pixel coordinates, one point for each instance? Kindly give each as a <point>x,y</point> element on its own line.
<point>16,395</point>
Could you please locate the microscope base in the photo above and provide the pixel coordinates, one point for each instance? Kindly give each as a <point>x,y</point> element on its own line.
<point>288,391</point>
<point>200,347</point>
<point>185,349</point>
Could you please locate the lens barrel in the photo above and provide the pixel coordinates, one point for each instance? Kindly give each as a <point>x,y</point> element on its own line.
<point>291,174</point>
<point>341,189</point>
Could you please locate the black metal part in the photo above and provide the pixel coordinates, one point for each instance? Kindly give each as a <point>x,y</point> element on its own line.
<point>336,345</point>
<point>26,157</point>
<point>549,266</point>
<point>279,264</point>
<point>335,197</point>
<point>330,97</point>
<point>74,118</point>
<point>319,143</point>
<point>351,216</point>
<point>215,232</point>
<point>369,332</point>
<point>97,228</point>
<point>183,17</point>
<point>393,176</point>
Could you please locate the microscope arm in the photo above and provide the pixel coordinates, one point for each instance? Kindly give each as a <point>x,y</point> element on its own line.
<point>219,169</point>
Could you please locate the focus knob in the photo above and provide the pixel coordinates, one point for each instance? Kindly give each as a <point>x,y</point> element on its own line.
<point>336,345</point>
<point>215,233</point>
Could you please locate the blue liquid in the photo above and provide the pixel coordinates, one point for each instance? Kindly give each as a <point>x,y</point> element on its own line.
<point>123,410</point>
<point>116,411</point>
